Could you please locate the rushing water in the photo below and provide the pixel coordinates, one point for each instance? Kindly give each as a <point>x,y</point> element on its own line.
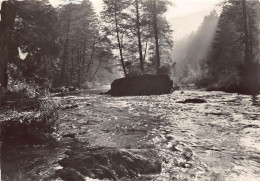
<point>217,140</point>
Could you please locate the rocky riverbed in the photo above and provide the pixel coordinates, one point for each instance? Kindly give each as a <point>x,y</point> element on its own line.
<point>145,138</point>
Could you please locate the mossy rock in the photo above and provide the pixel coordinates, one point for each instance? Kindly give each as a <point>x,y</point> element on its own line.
<point>113,163</point>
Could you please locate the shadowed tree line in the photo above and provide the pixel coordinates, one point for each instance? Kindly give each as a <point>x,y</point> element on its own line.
<point>60,46</point>
<point>234,60</point>
<point>224,53</point>
<point>139,33</point>
<point>48,46</point>
<point>70,45</point>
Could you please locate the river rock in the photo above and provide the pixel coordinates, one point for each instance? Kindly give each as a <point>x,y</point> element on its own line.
<point>142,85</point>
<point>70,106</point>
<point>69,174</point>
<point>112,163</point>
<point>58,90</point>
<point>69,135</point>
<point>193,101</point>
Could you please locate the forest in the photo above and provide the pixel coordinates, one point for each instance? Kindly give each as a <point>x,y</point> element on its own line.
<point>224,53</point>
<point>43,47</point>
<point>73,99</point>
<point>67,46</point>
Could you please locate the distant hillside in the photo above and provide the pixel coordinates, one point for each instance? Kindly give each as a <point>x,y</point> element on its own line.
<point>190,52</point>
<point>184,25</point>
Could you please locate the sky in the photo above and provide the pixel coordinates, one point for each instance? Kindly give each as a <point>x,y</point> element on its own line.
<point>187,15</point>
<point>185,7</point>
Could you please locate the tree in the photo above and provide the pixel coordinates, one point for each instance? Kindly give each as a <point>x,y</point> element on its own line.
<point>155,27</point>
<point>161,30</point>
<point>233,61</point>
<point>67,12</point>
<point>136,21</point>
<point>139,36</point>
<point>63,45</point>
<point>245,30</point>
<point>8,14</point>
<point>249,72</point>
<point>30,27</point>
<point>82,44</point>
<point>115,17</point>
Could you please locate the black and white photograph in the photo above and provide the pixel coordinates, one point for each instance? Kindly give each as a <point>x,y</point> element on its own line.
<point>130,90</point>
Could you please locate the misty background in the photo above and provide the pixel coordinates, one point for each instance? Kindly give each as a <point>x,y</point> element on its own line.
<point>192,50</point>
<point>186,18</point>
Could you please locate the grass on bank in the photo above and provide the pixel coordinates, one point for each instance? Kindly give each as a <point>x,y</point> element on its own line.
<point>35,127</point>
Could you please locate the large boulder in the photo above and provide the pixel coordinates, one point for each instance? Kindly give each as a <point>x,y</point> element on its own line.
<point>142,85</point>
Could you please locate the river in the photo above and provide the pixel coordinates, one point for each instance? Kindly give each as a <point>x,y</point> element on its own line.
<point>217,140</point>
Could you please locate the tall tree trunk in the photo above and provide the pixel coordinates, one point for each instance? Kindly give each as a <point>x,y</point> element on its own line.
<point>253,72</point>
<point>3,64</point>
<point>95,72</point>
<point>245,23</point>
<point>250,34</point>
<point>83,59</point>
<point>93,51</point>
<point>80,62</point>
<point>156,36</point>
<point>249,72</point>
<point>65,55</point>
<point>92,54</point>
<point>72,67</point>
<point>79,68</point>
<point>139,35</point>
<point>118,38</point>
<point>8,14</point>
<point>146,46</point>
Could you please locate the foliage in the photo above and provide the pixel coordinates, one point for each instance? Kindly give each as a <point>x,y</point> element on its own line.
<point>124,29</point>
<point>227,62</point>
<point>224,53</point>
<point>70,45</point>
<point>61,46</point>
<point>35,32</point>
<point>85,48</point>
<point>35,127</point>
<point>164,30</point>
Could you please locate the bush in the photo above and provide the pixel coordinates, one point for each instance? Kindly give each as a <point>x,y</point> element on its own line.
<point>204,82</point>
<point>165,70</point>
<point>36,127</point>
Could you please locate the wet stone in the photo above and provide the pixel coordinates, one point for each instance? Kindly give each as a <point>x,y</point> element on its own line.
<point>69,135</point>
<point>70,106</point>
<point>142,85</point>
<point>193,101</point>
<point>69,174</point>
<point>173,148</point>
<point>112,163</point>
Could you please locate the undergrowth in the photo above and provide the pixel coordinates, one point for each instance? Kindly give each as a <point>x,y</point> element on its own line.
<point>36,127</point>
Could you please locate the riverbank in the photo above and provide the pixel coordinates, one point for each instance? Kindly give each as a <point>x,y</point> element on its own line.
<point>216,139</point>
